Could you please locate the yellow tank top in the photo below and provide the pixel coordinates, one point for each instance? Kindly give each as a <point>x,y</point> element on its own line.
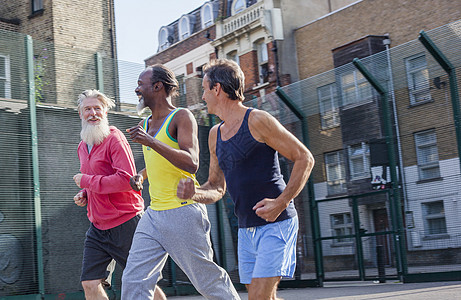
<point>164,176</point>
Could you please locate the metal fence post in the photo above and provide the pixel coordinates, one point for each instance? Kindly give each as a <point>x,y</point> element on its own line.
<point>315,224</point>
<point>396,205</point>
<point>451,71</point>
<point>35,166</point>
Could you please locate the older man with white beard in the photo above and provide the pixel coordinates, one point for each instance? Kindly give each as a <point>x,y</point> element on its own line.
<point>114,208</point>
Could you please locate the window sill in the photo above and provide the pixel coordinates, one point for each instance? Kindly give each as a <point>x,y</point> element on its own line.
<point>429,180</point>
<point>358,103</point>
<point>36,13</point>
<point>334,195</point>
<point>345,244</point>
<point>440,236</point>
<point>324,128</point>
<point>260,86</point>
<point>420,103</point>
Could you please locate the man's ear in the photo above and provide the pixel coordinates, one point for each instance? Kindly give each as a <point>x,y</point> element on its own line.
<point>217,88</point>
<point>158,86</point>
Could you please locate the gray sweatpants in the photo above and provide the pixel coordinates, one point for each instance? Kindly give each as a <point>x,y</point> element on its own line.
<point>184,234</point>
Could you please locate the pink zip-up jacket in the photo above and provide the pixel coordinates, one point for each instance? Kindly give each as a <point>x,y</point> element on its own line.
<point>107,170</point>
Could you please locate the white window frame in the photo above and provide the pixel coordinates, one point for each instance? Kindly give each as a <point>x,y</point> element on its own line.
<point>184,33</point>
<point>6,77</point>
<point>344,228</point>
<point>427,154</point>
<point>419,92</point>
<point>336,172</point>
<point>233,55</point>
<point>242,6</point>
<point>263,60</point>
<point>329,105</point>
<point>207,19</point>
<point>359,89</point>
<point>429,217</point>
<point>163,43</point>
<point>363,156</point>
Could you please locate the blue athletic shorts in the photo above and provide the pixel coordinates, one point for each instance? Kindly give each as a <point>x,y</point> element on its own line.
<point>268,250</point>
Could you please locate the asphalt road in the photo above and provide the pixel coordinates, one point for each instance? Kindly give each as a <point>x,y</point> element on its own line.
<point>366,290</point>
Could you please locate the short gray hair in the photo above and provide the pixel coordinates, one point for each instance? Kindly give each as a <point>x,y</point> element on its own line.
<point>227,73</point>
<point>106,102</point>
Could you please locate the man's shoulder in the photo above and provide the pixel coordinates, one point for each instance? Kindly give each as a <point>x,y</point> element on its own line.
<point>183,115</point>
<point>260,117</point>
<point>115,134</point>
<point>112,128</point>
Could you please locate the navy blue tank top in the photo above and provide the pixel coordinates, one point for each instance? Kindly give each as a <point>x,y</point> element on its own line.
<point>252,173</point>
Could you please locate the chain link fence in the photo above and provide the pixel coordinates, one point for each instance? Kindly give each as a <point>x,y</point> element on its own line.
<point>357,222</point>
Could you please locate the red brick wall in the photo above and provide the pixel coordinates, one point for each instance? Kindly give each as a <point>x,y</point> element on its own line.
<point>249,66</point>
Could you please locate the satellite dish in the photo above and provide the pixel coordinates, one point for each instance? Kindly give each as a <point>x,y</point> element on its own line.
<point>170,39</point>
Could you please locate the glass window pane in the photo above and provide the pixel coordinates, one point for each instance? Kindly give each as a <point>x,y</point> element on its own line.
<point>437,226</point>
<point>2,67</point>
<point>239,5</point>
<point>263,52</point>
<point>417,62</point>
<point>2,88</point>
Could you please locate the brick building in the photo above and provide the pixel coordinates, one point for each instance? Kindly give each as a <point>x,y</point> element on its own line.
<point>66,38</point>
<point>256,34</point>
<point>348,128</point>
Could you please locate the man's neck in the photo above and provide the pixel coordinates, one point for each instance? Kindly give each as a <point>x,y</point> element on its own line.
<point>232,111</point>
<point>160,109</point>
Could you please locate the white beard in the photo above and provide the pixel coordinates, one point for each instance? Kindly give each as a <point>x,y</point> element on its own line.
<point>95,134</point>
<point>141,107</point>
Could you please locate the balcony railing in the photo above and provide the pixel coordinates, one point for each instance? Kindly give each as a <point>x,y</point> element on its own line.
<point>242,19</point>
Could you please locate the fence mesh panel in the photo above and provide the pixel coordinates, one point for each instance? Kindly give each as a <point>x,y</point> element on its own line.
<point>352,196</point>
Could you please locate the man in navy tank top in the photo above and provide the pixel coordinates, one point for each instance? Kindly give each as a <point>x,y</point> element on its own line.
<point>244,158</point>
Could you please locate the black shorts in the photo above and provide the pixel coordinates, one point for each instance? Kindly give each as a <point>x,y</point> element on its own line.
<point>103,246</point>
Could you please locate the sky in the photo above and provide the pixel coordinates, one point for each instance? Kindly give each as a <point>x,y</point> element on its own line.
<point>137,23</point>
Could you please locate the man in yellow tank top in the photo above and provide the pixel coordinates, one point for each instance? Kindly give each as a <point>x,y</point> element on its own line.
<point>171,226</point>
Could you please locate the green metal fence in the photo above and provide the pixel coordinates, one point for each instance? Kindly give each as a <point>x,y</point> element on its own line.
<point>384,132</point>
<point>382,202</point>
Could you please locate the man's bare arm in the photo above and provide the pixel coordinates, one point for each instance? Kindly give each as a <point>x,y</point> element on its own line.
<point>212,190</point>
<point>187,156</point>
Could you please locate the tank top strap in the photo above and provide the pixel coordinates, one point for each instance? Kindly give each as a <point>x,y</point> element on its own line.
<point>146,122</point>
<point>219,132</point>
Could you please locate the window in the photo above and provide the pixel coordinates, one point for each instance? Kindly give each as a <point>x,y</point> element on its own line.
<point>418,79</point>
<point>341,224</point>
<point>263,68</point>
<point>336,172</point>
<point>184,31</point>
<point>164,38</point>
<point>186,26</point>
<point>329,105</point>
<point>427,154</point>
<point>238,6</point>
<point>355,88</point>
<point>207,15</point>
<point>434,218</point>
<point>5,80</point>
<point>233,56</point>
<point>37,5</point>
<point>359,161</point>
